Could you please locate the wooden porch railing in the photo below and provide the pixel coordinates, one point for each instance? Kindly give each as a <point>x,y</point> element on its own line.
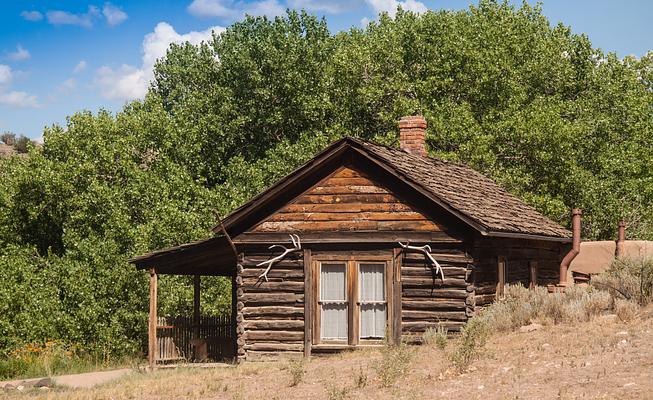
<point>175,334</point>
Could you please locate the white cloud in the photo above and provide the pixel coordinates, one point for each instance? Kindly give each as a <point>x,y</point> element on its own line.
<point>390,6</point>
<point>80,67</point>
<point>67,86</point>
<point>364,22</point>
<point>20,54</point>
<point>128,82</point>
<point>329,7</point>
<point>58,17</point>
<point>13,98</point>
<point>5,75</point>
<point>114,15</point>
<point>32,15</point>
<point>230,9</point>
<point>269,8</point>
<point>18,99</point>
<point>212,8</point>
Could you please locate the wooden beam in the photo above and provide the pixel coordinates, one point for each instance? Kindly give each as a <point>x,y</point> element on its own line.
<point>196,306</point>
<point>308,303</point>
<point>396,296</point>
<point>152,347</point>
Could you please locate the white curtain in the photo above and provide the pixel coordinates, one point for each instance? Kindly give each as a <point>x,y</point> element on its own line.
<point>333,301</point>
<point>373,302</point>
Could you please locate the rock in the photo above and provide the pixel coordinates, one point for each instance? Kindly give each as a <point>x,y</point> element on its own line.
<point>629,384</point>
<point>44,388</point>
<point>530,328</point>
<point>9,386</point>
<point>623,343</point>
<point>20,388</point>
<point>45,382</point>
<point>481,387</point>
<point>622,333</point>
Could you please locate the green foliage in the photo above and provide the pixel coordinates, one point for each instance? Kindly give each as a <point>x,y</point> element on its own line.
<point>628,278</point>
<point>395,363</point>
<point>534,106</point>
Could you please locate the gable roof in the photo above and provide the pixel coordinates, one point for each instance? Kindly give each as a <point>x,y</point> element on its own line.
<point>464,192</point>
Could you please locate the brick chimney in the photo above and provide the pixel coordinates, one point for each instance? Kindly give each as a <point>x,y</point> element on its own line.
<point>412,135</point>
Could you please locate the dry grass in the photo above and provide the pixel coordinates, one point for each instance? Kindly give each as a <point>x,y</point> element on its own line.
<point>602,358</point>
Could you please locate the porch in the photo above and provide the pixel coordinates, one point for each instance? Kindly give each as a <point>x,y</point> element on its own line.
<point>196,338</point>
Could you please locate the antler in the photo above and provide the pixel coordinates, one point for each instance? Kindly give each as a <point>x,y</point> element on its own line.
<point>297,245</point>
<point>426,250</point>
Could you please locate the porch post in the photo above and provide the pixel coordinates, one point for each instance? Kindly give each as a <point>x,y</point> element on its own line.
<point>152,348</point>
<point>196,307</point>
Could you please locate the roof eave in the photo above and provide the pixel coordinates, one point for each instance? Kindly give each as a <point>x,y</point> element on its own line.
<point>528,236</point>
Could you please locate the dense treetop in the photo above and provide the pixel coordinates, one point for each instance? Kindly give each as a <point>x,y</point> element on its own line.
<point>536,107</point>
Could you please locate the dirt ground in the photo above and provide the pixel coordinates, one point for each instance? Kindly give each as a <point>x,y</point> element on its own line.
<point>602,359</point>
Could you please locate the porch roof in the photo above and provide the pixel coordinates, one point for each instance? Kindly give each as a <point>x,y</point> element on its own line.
<point>213,256</point>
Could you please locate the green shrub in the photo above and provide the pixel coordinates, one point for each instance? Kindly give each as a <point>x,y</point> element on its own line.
<point>296,371</point>
<point>629,278</point>
<point>335,392</point>
<point>360,378</point>
<point>470,344</point>
<point>394,363</point>
<point>436,337</point>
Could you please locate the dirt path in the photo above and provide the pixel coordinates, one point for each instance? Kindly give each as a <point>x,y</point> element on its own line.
<point>86,380</point>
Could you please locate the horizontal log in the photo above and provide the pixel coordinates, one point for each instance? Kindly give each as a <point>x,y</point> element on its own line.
<point>351,189</point>
<point>275,272</point>
<point>347,181</point>
<point>262,286</point>
<point>434,282</point>
<point>250,299</point>
<point>336,237</point>
<point>442,293</point>
<point>432,304</point>
<point>486,289</point>
<point>269,311</point>
<point>353,216</point>
<point>268,324</point>
<point>418,259</point>
<point>481,300</point>
<point>313,226</point>
<point>407,315</point>
<point>272,355</point>
<point>347,198</point>
<point>274,336</point>
<point>275,346</point>
<point>420,326</point>
<point>348,207</point>
<point>449,271</point>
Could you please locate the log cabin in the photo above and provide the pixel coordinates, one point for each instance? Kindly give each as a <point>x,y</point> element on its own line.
<point>364,244</point>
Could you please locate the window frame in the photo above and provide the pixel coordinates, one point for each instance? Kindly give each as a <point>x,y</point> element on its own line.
<point>352,284</point>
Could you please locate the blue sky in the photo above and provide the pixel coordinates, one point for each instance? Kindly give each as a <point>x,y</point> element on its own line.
<point>57,57</point>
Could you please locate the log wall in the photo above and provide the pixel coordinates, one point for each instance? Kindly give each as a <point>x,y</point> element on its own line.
<point>348,200</point>
<point>271,313</point>
<point>426,300</point>
<point>518,254</point>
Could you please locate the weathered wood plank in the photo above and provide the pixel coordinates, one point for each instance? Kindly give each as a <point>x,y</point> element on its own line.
<point>274,336</point>
<point>275,272</point>
<point>274,346</point>
<point>250,299</point>
<point>433,315</point>
<point>347,198</point>
<point>432,282</point>
<point>410,303</point>
<point>269,311</point>
<point>271,324</point>
<point>442,293</point>
<point>347,208</point>
<point>303,226</point>
<point>354,216</point>
<point>353,189</point>
<point>253,285</point>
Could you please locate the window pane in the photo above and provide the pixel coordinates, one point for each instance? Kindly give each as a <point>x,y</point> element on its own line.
<point>372,291</point>
<point>334,321</point>
<point>332,282</point>
<point>372,287</point>
<point>333,294</point>
<point>373,320</point>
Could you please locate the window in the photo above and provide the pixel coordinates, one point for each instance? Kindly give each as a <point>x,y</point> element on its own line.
<point>333,301</point>
<point>373,305</point>
<point>351,302</point>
